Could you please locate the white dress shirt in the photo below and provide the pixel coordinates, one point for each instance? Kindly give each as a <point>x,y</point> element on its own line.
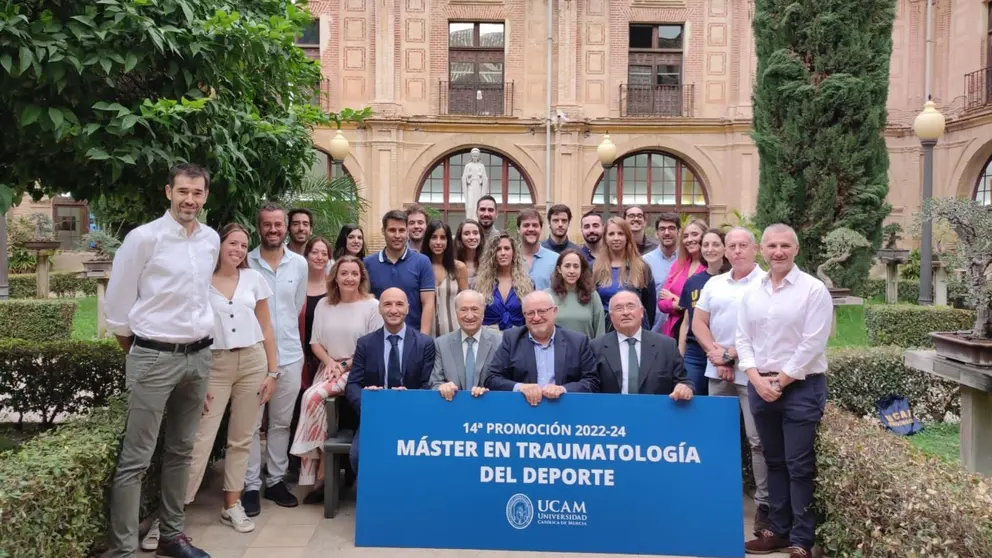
<point>160,282</point>
<point>288,283</point>
<point>235,324</point>
<point>785,329</point>
<point>721,298</point>
<point>625,361</point>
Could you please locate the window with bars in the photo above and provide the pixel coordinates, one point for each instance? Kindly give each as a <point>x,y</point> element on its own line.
<point>475,67</point>
<point>655,180</point>
<point>983,188</point>
<point>654,69</point>
<point>442,189</point>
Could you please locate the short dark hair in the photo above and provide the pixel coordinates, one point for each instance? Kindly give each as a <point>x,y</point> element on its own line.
<point>487,197</point>
<point>394,215</point>
<point>529,213</point>
<point>559,208</point>
<point>669,217</point>
<point>270,206</point>
<point>298,210</point>
<point>592,213</point>
<point>629,207</point>
<point>416,208</point>
<point>189,170</point>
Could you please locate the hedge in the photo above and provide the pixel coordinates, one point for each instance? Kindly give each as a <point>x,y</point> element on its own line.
<point>878,495</point>
<point>52,378</point>
<point>907,325</point>
<point>63,285</point>
<point>37,320</point>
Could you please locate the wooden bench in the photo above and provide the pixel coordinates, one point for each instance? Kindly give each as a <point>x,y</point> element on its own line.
<point>337,448</point>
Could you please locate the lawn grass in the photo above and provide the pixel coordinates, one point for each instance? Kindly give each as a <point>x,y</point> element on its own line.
<point>942,439</point>
<point>84,322</point>
<point>851,330</point>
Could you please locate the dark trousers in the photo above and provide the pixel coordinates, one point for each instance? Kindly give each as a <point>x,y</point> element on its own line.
<point>694,362</point>
<point>353,454</point>
<point>787,428</point>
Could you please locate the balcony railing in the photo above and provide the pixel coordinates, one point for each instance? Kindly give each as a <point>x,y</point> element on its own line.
<point>477,99</point>
<point>656,100</point>
<point>978,89</point>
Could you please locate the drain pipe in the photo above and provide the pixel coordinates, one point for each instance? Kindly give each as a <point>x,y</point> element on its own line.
<point>547,139</point>
<point>928,64</point>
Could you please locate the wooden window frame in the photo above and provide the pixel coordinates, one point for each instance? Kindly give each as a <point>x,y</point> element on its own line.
<point>616,187</point>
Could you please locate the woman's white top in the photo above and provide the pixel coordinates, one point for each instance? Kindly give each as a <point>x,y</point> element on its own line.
<point>235,324</point>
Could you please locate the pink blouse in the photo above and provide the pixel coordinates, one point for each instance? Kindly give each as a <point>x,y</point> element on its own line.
<point>676,280</point>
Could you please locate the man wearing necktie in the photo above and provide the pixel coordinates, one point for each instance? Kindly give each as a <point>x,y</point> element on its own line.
<point>633,360</point>
<point>392,357</point>
<point>461,357</point>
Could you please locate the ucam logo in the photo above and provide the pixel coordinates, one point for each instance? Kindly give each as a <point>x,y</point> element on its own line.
<point>561,506</point>
<point>519,511</point>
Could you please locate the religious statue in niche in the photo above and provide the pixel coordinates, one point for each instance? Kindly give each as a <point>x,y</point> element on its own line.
<point>475,183</point>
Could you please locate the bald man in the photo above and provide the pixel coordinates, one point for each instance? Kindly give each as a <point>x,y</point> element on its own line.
<point>540,359</point>
<point>461,357</point>
<point>392,357</point>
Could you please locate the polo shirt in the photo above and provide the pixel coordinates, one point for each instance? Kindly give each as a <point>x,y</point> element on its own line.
<point>412,273</point>
<point>542,266</point>
<point>721,299</point>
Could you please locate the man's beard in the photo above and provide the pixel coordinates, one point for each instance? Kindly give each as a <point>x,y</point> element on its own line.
<point>271,246</point>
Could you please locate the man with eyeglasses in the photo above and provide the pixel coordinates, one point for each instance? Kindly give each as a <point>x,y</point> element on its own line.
<point>634,216</point>
<point>541,360</point>
<point>631,359</point>
<point>660,259</point>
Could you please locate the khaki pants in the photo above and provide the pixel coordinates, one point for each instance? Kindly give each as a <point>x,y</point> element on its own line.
<point>236,376</point>
<point>758,465</point>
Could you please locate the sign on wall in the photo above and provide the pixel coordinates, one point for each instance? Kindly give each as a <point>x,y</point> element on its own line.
<point>631,474</point>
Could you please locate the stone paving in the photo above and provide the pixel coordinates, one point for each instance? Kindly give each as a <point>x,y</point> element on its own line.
<point>302,532</point>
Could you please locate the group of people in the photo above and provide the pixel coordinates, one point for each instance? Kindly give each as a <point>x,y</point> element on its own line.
<point>272,332</point>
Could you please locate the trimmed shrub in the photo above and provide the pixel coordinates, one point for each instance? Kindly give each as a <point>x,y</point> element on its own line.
<point>37,320</point>
<point>858,377</point>
<point>52,378</point>
<point>908,325</point>
<point>63,285</point>
<point>881,496</point>
<point>909,291</point>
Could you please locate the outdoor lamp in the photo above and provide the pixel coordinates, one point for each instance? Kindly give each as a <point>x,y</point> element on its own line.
<point>607,153</point>
<point>929,125</point>
<point>339,148</point>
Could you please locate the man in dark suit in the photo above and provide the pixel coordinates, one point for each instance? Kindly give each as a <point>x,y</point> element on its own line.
<point>541,360</point>
<point>392,357</point>
<point>632,359</point>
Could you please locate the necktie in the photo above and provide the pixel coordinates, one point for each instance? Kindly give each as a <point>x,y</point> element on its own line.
<point>394,376</point>
<point>469,364</point>
<point>633,367</point>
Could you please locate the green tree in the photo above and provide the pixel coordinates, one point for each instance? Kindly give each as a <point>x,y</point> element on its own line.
<point>819,110</point>
<point>334,202</point>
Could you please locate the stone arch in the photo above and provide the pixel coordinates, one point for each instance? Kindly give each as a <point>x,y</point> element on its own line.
<point>971,164</point>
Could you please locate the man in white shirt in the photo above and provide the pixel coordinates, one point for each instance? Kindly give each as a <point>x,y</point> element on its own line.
<point>462,356</point>
<point>286,273</point>
<point>783,325</point>
<point>714,324</point>
<point>158,308</point>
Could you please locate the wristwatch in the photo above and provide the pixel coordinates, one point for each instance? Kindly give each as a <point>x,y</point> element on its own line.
<point>275,375</point>
<point>727,359</point>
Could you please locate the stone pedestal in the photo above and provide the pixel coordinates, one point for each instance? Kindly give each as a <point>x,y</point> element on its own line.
<point>976,405</point>
<point>41,275</point>
<point>844,301</point>
<point>101,296</point>
<point>892,283</point>
<point>940,284</point>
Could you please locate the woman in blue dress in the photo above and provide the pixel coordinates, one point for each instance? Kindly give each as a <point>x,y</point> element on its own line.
<point>503,279</point>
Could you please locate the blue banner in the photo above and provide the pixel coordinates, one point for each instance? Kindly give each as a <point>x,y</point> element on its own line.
<point>631,474</point>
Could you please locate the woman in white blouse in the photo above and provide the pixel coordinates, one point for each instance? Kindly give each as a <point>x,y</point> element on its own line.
<point>348,312</point>
<point>244,362</point>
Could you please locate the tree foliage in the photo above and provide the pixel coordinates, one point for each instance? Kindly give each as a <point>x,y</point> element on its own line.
<point>819,110</point>
<point>101,97</point>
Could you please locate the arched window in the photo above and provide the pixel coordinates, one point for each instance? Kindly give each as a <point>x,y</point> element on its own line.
<point>983,189</point>
<point>656,181</point>
<point>324,167</point>
<point>442,186</point>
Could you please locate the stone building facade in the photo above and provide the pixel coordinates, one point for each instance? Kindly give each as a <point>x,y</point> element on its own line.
<point>669,80</point>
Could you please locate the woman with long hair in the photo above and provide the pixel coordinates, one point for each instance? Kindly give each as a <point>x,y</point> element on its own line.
<point>468,247</point>
<point>350,242</point>
<point>713,250</point>
<point>348,312</point>
<point>573,291</point>
<point>689,263</point>
<point>242,357</point>
<point>450,276</point>
<point>318,254</point>
<point>618,266</point>
<point>503,279</point>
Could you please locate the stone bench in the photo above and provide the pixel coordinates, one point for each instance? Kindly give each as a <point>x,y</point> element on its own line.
<point>337,447</point>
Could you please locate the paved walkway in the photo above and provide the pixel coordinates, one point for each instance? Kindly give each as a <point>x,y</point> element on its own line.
<point>302,532</point>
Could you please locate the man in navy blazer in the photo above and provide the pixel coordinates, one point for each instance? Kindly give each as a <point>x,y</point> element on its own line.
<point>541,360</point>
<point>392,357</point>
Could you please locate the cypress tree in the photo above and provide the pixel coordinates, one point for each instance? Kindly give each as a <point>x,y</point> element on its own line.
<point>819,110</point>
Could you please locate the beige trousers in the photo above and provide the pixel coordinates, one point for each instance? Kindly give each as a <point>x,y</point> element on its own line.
<point>236,376</point>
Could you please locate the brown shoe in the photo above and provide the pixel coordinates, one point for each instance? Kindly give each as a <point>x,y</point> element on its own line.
<point>766,543</point>
<point>798,552</point>
<point>761,522</point>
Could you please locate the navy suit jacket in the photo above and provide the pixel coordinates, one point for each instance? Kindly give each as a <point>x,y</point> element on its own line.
<point>368,368</point>
<point>514,362</point>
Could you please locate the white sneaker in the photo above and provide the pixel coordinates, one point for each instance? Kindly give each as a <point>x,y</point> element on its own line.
<point>237,519</point>
<point>150,542</point>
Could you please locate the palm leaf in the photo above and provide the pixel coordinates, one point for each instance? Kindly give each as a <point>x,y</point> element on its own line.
<point>334,202</point>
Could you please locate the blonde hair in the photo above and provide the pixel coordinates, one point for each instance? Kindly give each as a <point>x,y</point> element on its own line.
<point>486,276</point>
<point>634,271</point>
<point>364,285</point>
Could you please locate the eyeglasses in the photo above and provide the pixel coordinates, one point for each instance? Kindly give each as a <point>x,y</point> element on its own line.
<point>538,312</point>
<point>668,228</point>
<point>629,307</point>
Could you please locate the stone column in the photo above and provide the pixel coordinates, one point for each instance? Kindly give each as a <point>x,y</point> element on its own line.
<point>892,283</point>
<point>101,297</point>
<point>940,284</point>
<point>41,275</point>
<point>976,430</point>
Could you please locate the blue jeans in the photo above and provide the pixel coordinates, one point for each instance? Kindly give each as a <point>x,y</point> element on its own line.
<point>694,362</point>
<point>787,428</point>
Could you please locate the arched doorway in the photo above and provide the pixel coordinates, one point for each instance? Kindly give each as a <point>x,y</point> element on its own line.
<point>655,180</point>
<point>983,186</point>
<point>441,186</point>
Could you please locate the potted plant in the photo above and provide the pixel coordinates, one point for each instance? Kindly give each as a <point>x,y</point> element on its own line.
<point>972,222</point>
<point>103,245</point>
<point>839,244</point>
<point>890,254</point>
<point>44,234</point>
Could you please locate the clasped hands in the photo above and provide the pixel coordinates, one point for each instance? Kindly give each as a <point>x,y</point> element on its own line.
<point>723,370</point>
<point>770,388</point>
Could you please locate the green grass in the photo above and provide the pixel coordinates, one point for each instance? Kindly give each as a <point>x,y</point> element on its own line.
<point>851,330</point>
<point>84,322</point>
<point>941,440</point>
